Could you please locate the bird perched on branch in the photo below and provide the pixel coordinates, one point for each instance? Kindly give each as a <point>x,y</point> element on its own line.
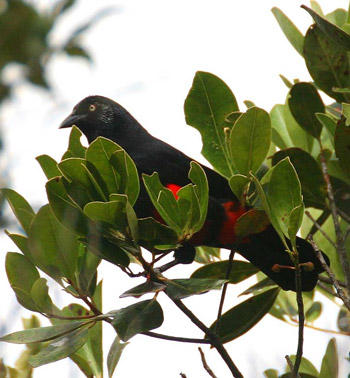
<point>100,116</point>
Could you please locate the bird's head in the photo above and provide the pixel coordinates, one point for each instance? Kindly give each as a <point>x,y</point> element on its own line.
<point>98,116</point>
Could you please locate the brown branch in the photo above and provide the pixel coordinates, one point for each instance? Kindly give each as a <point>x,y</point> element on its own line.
<point>318,227</point>
<point>182,375</point>
<point>301,316</point>
<point>215,340</point>
<point>224,289</point>
<point>320,220</point>
<point>331,275</point>
<point>334,211</point>
<point>205,365</point>
<point>329,281</point>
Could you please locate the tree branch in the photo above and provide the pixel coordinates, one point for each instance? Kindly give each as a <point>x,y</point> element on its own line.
<point>205,365</point>
<point>331,275</point>
<point>334,211</point>
<point>318,227</point>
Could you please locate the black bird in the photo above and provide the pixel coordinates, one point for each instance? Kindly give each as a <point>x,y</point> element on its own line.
<point>100,116</point>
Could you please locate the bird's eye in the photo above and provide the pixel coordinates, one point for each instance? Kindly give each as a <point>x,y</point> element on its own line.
<point>92,108</point>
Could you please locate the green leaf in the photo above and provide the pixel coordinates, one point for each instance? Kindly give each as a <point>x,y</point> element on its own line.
<point>334,33</point>
<point>183,288</point>
<point>98,155</point>
<point>164,201</point>
<point>327,63</point>
<point>60,348</point>
<point>304,102</point>
<point>137,318</point>
<point>20,207</point>
<point>271,373</point>
<point>87,268</point>
<point>295,220</point>
<point>238,184</point>
<point>205,255</point>
<point>313,312</point>
<point>241,318</point>
<point>200,182</point>
<point>343,320</point>
<point>49,166</point>
<point>329,366</point>
<point>127,175</point>
<point>309,173</point>
<point>292,33</point>
<point>259,286</point>
<point>250,140</point>
<point>342,145</point>
<point>74,169</point>
<point>22,275</point>
<point>240,270</point>
<point>316,7</point>
<point>40,295</point>
<point>114,355</point>
<point>35,335</point>
<point>53,247</point>
<point>189,209</point>
<point>251,222</point>
<point>155,234</point>
<point>208,103</point>
<point>22,243</point>
<point>144,288</point>
<point>284,194</point>
<point>75,148</point>
<point>329,124</point>
<point>66,211</point>
<point>306,367</point>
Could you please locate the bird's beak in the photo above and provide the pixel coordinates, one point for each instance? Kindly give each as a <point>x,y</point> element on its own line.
<point>72,119</point>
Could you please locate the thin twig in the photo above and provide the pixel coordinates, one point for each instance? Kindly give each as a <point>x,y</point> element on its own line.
<point>176,338</point>
<point>205,365</point>
<point>331,275</point>
<point>320,229</point>
<point>330,291</point>
<point>295,324</point>
<point>182,375</point>
<point>344,215</point>
<point>301,316</point>
<point>290,364</point>
<point>338,232</point>
<point>320,220</point>
<point>329,281</point>
<point>215,340</point>
<point>224,289</point>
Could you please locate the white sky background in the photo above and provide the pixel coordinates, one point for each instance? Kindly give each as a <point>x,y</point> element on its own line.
<point>145,57</point>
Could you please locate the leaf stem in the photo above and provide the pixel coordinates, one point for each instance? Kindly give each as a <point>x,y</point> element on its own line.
<point>176,338</point>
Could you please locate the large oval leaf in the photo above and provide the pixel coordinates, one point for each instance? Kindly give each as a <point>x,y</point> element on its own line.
<point>243,317</point>
<point>207,104</point>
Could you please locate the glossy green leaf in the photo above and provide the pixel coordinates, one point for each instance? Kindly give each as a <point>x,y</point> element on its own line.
<point>200,182</point>
<point>238,184</point>
<point>240,270</point>
<point>183,288</point>
<point>49,166</point>
<point>205,255</point>
<point>241,318</point>
<point>155,234</point>
<point>313,312</point>
<point>292,33</point>
<point>53,247</point>
<point>337,35</point>
<point>253,221</point>
<point>60,348</point>
<point>306,366</point>
<point>309,173</point>
<point>294,223</point>
<point>22,243</point>
<point>284,193</point>
<point>329,124</point>
<point>208,103</point>
<point>40,295</point>
<point>342,145</point>
<point>250,140</point>
<point>87,267</point>
<point>34,335</point>
<point>22,275</point>
<point>327,63</point>
<point>75,148</point>
<point>127,175</point>
<point>189,209</point>
<point>114,355</point>
<point>304,102</point>
<point>20,207</point>
<point>330,364</point>
<point>137,318</point>
<point>144,288</point>
<point>66,211</point>
<point>98,155</point>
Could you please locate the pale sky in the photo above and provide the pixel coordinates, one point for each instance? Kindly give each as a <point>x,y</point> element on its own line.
<point>146,55</point>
